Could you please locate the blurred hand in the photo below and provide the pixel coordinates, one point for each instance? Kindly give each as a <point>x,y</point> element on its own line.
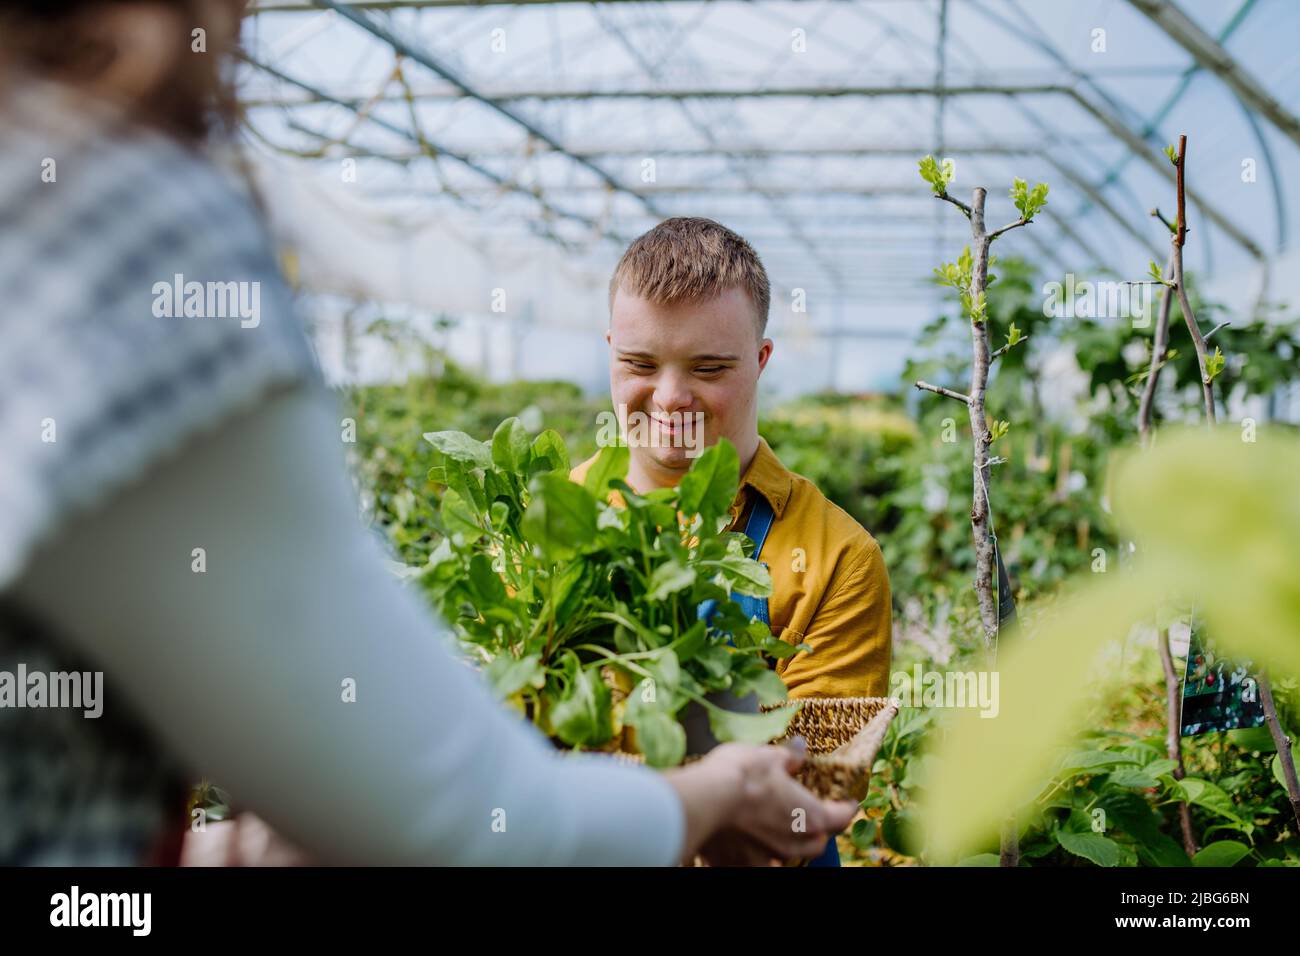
<point>245,840</point>
<point>743,807</point>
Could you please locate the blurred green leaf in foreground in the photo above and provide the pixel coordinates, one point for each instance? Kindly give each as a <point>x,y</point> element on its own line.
<point>1216,520</point>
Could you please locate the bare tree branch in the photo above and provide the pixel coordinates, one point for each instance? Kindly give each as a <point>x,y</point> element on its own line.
<point>980,435</point>
<point>1159,215</point>
<point>1215,329</point>
<point>947,392</point>
<point>1173,734</point>
<point>1008,227</point>
<point>1283,743</point>
<point>1006,348</point>
<point>1198,340</point>
<point>1157,360</point>
<point>1180,287</point>
<point>955,201</point>
<point>981,439</point>
<point>1173,687</point>
<point>1181,222</point>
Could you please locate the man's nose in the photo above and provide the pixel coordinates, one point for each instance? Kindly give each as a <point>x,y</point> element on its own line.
<point>672,393</point>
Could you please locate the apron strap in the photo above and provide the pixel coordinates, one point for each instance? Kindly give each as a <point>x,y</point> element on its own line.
<point>761,517</point>
<point>759,524</point>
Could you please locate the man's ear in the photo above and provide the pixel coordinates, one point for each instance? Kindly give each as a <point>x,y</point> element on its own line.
<point>764,353</point>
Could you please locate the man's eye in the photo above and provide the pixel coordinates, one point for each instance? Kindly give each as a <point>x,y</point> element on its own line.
<point>638,366</point>
<point>710,369</point>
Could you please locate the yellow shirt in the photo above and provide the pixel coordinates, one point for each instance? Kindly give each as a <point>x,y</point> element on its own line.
<point>830,589</point>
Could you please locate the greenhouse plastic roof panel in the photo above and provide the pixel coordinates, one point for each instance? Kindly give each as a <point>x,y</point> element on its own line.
<point>577,126</point>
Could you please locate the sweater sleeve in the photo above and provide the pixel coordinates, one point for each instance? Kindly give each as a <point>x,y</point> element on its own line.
<point>298,674</point>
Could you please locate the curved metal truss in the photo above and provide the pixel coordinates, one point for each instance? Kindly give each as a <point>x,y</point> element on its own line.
<point>800,123</point>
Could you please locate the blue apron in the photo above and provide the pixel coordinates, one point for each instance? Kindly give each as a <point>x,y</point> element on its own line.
<point>759,524</point>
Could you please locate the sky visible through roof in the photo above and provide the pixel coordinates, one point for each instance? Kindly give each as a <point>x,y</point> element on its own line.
<point>537,139</point>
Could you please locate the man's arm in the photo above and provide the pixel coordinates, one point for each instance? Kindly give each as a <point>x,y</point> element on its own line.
<point>850,635</point>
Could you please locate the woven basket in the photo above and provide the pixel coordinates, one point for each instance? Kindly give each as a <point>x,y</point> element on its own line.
<point>827,723</point>
<point>843,736</point>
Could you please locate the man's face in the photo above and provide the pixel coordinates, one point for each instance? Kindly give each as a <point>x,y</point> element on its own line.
<point>699,360</point>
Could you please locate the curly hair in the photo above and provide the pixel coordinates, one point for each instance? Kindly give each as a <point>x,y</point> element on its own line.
<point>61,40</point>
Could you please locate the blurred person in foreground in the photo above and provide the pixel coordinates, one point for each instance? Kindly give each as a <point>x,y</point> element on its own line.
<point>175,512</point>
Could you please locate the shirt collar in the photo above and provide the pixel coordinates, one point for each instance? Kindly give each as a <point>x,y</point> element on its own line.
<point>767,476</point>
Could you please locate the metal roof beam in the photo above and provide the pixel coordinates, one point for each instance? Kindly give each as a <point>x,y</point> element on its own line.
<point>420,56</point>
<point>1210,54</point>
<point>1116,125</point>
<point>747,152</point>
<point>707,189</point>
<point>654,71</point>
<point>303,6</point>
<point>1162,166</point>
<point>502,184</point>
<point>1101,202</point>
<point>496,97</point>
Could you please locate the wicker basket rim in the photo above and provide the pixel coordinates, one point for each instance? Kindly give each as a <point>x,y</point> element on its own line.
<point>832,702</point>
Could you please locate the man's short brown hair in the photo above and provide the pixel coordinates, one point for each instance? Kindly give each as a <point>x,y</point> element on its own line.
<point>690,259</point>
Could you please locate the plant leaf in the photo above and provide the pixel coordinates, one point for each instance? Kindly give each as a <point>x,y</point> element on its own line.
<point>1221,853</point>
<point>510,445</point>
<point>610,465</point>
<point>460,447</point>
<point>549,448</point>
<point>710,486</point>
<point>582,718</point>
<point>561,518</point>
<point>1094,847</point>
<point>508,675</point>
<point>669,578</point>
<point>457,516</point>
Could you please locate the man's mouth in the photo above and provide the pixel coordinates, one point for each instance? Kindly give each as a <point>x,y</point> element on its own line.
<point>676,423</point>
<point>665,430</point>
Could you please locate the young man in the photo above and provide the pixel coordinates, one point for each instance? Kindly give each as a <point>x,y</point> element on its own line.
<point>688,313</point>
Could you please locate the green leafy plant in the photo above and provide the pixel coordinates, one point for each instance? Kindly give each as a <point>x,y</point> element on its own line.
<point>1110,797</point>
<point>585,613</point>
<point>1157,273</point>
<point>1234,499</point>
<point>938,175</point>
<point>1028,201</point>
<point>1214,364</point>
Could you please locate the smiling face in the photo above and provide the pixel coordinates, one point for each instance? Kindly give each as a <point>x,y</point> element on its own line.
<point>688,360</point>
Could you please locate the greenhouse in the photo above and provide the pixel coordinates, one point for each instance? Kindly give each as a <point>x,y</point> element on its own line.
<point>549,414</point>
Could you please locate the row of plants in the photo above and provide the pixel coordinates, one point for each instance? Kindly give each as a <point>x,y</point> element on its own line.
<point>1112,799</point>
<point>902,467</point>
<point>1104,801</point>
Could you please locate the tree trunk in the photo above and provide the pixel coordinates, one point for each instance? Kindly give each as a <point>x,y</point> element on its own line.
<point>1283,745</point>
<point>1158,350</point>
<point>1174,735</point>
<point>980,436</point>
